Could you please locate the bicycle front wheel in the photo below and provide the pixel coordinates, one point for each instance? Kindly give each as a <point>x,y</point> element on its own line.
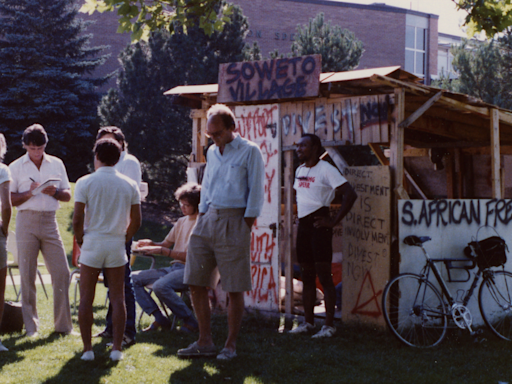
<point>414,311</point>
<point>495,301</point>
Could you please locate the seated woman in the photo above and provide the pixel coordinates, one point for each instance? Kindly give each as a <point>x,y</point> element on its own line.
<point>166,281</point>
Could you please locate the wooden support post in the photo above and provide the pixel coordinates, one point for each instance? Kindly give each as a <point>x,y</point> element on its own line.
<point>288,230</point>
<point>495,154</point>
<point>450,175</point>
<point>396,160</point>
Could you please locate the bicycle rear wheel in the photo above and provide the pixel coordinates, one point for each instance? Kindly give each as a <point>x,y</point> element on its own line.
<point>414,311</point>
<point>495,301</point>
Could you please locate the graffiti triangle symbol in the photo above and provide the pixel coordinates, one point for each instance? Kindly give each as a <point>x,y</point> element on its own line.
<point>370,307</point>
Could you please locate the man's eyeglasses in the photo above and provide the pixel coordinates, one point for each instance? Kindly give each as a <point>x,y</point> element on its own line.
<point>215,135</point>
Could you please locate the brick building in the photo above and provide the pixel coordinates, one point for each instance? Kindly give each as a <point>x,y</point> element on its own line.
<point>391,35</point>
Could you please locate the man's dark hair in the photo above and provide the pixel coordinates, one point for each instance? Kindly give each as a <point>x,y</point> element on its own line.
<point>118,135</point>
<point>315,142</point>
<point>108,151</point>
<point>226,115</point>
<point>190,192</point>
<point>35,135</point>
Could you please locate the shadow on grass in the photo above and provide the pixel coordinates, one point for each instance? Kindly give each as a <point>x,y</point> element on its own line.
<point>28,343</point>
<point>94,370</point>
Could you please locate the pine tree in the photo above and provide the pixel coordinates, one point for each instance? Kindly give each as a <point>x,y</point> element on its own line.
<point>45,76</point>
<point>340,49</point>
<point>158,132</point>
<point>483,70</point>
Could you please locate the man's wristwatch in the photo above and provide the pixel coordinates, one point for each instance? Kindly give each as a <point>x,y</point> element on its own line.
<point>55,194</point>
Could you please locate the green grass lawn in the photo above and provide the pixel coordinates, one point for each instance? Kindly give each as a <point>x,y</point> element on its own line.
<point>356,354</point>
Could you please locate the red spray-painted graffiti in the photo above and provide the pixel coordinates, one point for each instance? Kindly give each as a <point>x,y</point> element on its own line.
<point>372,302</point>
<point>264,288</point>
<point>262,247</point>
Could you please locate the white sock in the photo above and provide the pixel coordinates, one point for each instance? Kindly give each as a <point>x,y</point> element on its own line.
<point>2,347</point>
<point>88,356</point>
<point>116,355</point>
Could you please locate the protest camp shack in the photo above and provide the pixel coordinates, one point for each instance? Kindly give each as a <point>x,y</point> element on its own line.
<point>422,160</point>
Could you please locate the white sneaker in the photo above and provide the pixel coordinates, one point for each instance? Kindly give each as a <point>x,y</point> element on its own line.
<point>32,334</point>
<point>116,355</point>
<point>303,328</point>
<point>88,356</point>
<point>3,348</point>
<point>326,331</point>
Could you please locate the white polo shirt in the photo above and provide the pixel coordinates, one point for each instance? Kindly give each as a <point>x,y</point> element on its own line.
<point>23,169</point>
<point>129,166</point>
<point>108,196</point>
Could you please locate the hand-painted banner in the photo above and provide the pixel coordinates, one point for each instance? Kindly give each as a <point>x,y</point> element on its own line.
<point>366,244</point>
<point>356,120</point>
<point>282,78</point>
<point>452,224</point>
<point>260,125</point>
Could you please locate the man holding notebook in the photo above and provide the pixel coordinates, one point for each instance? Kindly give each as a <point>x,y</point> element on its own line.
<point>36,227</point>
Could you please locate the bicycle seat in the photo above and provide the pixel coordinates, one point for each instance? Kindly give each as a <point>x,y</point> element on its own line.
<point>415,240</point>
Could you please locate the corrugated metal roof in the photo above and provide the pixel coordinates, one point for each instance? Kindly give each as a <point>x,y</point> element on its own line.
<point>193,89</point>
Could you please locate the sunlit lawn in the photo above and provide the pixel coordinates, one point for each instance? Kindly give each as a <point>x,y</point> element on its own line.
<point>356,354</point>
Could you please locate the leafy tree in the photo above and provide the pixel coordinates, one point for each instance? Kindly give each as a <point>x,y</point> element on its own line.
<point>483,70</point>
<point>141,17</point>
<point>45,66</point>
<point>158,132</point>
<point>340,49</point>
<point>490,16</point>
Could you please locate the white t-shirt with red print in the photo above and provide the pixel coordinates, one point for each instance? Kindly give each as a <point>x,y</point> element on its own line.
<point>316,186</point>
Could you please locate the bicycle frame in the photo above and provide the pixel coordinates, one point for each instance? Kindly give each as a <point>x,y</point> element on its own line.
<point>431,265</point>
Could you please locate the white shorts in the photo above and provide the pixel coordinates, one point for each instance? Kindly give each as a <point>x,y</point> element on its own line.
<point>101,251</point>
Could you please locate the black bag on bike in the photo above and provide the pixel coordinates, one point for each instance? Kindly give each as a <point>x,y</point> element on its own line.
<point>490,252</point>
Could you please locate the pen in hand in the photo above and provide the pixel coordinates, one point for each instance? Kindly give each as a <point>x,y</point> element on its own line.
<point>32,179</point>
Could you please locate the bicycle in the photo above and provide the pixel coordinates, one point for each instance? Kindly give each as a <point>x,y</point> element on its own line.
<point>418,314</point>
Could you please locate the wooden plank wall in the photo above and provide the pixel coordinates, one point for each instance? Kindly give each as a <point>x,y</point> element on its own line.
<point>355,120</point>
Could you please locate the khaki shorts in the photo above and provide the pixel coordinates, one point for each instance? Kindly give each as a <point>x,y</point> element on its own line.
<point>220,238</point>
<point>102,251</point>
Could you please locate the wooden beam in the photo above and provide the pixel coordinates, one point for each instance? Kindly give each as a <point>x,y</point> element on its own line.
<point>288,231</point>
<point>495,154</point>
<point>421,110</point>
<point>464,107</point>
<point>397,84</point>
<point>337,158</point>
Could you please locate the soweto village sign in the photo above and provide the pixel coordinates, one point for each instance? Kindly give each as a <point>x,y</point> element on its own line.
<point>269,79</point>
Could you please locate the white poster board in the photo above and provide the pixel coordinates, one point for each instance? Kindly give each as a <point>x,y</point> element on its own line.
<point>452,224</point>
<point>260,125</point>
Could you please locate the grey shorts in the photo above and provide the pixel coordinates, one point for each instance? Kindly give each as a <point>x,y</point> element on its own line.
<point>220,238</point>
<point>3,251</point>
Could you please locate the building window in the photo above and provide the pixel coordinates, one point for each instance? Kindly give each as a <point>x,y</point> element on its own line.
<point>415,49</point>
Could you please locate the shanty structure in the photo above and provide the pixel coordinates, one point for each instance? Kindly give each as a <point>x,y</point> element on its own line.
<point>439,151</point>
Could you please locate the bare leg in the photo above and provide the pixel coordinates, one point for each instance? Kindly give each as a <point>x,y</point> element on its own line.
<point>325,276</point>
<point>3,273</point>
<point>88,280</point>
<point>201,304</point>
<point>309,291</point>
<point>235,314</point>
<point>115,278</point>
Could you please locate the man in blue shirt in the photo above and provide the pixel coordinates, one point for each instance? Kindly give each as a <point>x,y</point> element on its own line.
<point>231,199</point>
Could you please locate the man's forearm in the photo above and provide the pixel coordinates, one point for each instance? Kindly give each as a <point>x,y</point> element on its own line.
<point>18,198</point>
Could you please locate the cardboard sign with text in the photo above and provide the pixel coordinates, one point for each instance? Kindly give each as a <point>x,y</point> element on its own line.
<point>366,244</point>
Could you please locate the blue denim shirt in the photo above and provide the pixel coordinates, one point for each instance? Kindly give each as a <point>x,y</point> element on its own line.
<point>234,179</point>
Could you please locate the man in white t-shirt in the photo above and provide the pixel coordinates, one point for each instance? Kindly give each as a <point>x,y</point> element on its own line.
<point>316,184</point>
<point>107,213</point>
<point>127,165</point>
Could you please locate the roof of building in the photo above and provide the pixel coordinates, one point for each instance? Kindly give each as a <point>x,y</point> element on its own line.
<point>433,117</point>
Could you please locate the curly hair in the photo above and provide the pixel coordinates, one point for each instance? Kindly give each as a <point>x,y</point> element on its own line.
<point>190,192</point>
